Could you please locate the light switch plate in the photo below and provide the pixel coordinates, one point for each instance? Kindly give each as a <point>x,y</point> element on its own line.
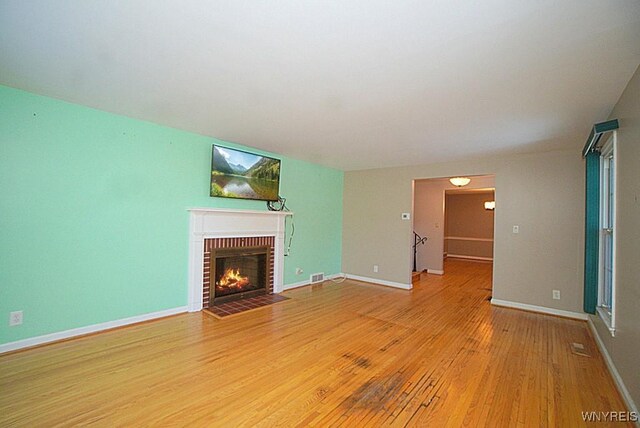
<point>406,216</point>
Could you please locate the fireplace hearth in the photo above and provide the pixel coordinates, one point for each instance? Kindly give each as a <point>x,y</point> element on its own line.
<point>238,273</point>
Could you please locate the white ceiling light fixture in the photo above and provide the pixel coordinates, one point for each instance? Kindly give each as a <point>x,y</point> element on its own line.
<point>460,181</point>
<point>490,205</point>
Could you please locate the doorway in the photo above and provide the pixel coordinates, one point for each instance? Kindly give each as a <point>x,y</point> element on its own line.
<point>455,222</point>
<point>468,224</point>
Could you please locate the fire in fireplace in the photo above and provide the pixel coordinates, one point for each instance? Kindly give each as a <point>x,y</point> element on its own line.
<point>239,273</point>
<point>232,279</point>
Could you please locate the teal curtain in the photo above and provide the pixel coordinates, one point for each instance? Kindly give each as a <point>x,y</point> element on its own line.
<point>592,232</point>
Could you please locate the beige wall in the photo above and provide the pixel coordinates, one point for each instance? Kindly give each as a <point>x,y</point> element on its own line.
<point>625,347</point>
<point>428,217</point>
<point>542,193</point>
<point>466,217</point>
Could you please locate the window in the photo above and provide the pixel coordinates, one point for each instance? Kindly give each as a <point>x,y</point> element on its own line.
<point>606,275</point>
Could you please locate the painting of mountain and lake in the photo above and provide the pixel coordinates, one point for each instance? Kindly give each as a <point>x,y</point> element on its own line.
<point>238,174</point>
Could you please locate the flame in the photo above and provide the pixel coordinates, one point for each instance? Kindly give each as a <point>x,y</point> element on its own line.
<point>233,279</point>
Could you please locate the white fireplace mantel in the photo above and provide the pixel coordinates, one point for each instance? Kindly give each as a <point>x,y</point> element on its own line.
<point>206,223</point>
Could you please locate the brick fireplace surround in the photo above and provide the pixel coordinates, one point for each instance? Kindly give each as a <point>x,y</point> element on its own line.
<point>211,227</point>
<point>215,243</point>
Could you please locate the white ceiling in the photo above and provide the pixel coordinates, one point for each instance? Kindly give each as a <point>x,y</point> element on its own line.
<point>348,84</point>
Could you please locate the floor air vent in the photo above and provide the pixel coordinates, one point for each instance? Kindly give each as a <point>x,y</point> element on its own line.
<point>579,349</point>
<point>317,277</point>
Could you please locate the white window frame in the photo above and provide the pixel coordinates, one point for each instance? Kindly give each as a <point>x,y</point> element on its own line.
<point>608,151</point>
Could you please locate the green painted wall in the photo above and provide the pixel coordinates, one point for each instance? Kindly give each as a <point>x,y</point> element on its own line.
<point>93,220</point>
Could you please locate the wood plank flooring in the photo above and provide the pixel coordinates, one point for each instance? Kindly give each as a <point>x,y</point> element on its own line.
<point>349,354</point>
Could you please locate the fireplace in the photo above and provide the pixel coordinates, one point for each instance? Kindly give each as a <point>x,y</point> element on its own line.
<point>237,268</point>
<point>239,272</point>
<point>214,228</point>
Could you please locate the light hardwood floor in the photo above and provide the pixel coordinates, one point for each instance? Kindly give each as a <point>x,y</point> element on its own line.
<point>346,354</point>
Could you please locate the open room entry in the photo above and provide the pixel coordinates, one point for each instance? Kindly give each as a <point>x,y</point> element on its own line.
<point>468,224</point>
<point>457,219</point>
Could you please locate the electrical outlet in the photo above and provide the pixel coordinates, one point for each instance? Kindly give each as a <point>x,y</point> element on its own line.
<point>556,294</point>
<point>516,229</point>
<point>15,318</point>
<point>299,271</point>
<point>375,268</point>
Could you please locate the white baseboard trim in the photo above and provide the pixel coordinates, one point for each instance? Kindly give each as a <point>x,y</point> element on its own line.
<point>540,309</point>
<point>81,331</point>
<point>305,283</point>
<point>622,388</point>
<point>460,256</point>
<point>435,271</point>
<point>380,282</point>
<point>464,238</point>
<point>286,287</point>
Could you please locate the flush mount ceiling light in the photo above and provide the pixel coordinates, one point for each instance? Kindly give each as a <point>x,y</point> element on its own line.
<point>490,205</point>
<point>460,181</point>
